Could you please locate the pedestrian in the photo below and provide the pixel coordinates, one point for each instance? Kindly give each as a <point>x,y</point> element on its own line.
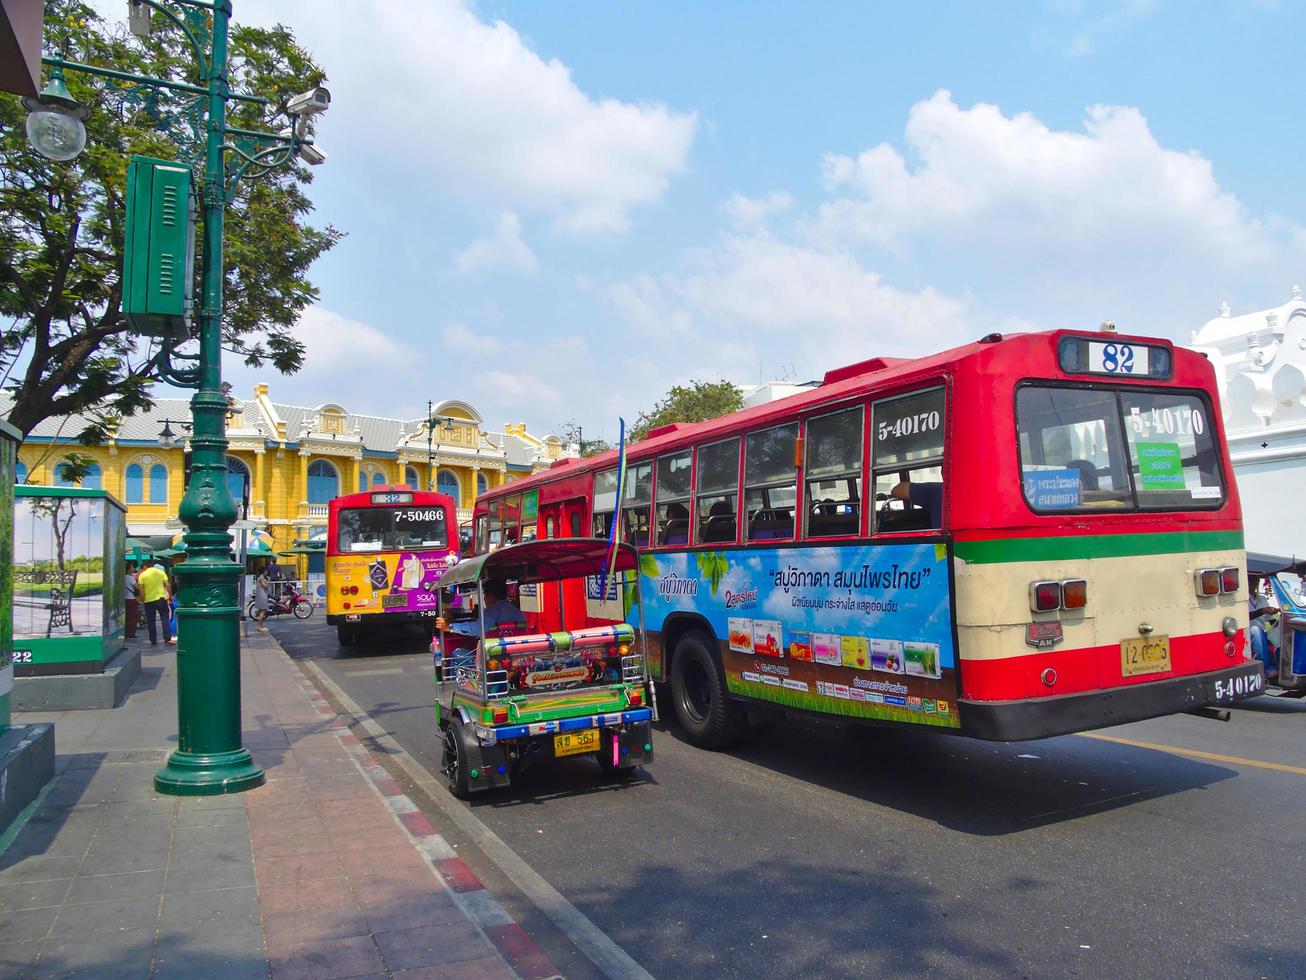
<point>133,601</point>
<point>153,586</point>
<point>261,585</point>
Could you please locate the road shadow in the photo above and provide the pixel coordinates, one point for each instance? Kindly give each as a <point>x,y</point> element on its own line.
<point>974,787</point>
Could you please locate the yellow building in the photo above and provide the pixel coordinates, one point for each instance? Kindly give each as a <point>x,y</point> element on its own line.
<point>285,462</point>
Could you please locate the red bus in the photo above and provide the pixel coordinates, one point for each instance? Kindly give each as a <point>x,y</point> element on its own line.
<point>386,549</point>
<point>1022,537</point>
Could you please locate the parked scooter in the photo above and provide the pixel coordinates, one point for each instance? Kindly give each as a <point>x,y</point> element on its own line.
<point>288,601</point>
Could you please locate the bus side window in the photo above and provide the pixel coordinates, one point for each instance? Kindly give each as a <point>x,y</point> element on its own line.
<point>718,493</point>
<point>605,503</point>
<point>482,534</point>
<point>771,482</point>
<point>834,474</point>
<point>674,491</point>
<point>907,461</point>
<point>550,527</point>
<point>496,524</point>
<point>511,519</point>
<point>636,501</point>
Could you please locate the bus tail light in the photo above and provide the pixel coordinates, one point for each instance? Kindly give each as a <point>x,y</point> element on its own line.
<point>346,604</point>
<point>344,590</point>
<point>1228,580</point>
<point>1044,596</point>
<point>1074,593</point>
<point>353,590</point>
<point>1207,581</point>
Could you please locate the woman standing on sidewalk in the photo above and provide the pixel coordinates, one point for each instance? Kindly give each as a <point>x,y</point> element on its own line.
<point>261,585</point>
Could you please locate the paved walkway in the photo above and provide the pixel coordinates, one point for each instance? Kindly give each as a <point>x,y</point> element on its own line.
<point>326,871</point>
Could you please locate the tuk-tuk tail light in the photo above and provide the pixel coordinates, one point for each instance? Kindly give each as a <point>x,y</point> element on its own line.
<point>623,649</point>
<point>635,696</point>
<point>500,714</point>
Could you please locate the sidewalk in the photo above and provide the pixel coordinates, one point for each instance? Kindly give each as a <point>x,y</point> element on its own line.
<point>326,871</point>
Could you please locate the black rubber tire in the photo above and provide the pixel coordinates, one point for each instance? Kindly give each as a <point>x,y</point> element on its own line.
<point>453,760</point>
<point>710,718</point>
<point>303,609</point>
<point>251,611</point>
<point>347,636</point>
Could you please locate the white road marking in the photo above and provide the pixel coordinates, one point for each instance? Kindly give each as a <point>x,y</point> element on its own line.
<point>601,950</point>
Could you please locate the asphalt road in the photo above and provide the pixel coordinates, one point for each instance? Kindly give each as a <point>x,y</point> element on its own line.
<point>815,849</point>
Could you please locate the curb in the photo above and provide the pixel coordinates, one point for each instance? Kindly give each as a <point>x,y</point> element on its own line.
<point>517,948</point>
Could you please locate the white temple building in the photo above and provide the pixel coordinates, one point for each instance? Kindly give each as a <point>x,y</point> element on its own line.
<point>1260,360</point>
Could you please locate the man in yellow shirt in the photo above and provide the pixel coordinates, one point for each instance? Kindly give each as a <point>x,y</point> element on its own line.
<point>153,585</point>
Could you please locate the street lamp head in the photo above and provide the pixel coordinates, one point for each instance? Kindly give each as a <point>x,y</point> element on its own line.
<point>54,120</point>
<point>167,438</point>
<point>309,103</point>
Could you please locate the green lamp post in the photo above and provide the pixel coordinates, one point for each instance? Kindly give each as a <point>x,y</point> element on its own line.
<point>210,759</point>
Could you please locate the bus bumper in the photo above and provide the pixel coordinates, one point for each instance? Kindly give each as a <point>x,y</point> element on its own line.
<point>1018,721</point>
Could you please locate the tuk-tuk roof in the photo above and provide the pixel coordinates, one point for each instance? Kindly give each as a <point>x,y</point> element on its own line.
<point>1259,563</point>
<point>541,560</point>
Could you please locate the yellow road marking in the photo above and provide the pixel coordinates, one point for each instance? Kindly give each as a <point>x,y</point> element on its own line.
<point>1211,756</point>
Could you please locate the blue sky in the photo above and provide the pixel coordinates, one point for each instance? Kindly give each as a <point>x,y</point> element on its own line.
<point>558,211</point>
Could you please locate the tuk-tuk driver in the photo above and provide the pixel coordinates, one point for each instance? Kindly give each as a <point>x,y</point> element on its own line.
<point>499,611</point>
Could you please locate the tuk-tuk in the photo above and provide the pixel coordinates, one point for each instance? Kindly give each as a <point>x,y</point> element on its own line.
<point>1282,583</point>
<point>572,679</point>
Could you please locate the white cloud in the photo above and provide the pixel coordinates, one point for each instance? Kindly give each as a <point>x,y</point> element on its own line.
<point>433,83</point>
<point>458,338</point>
<point>519,389</point>
<point>504,249</point>
<point>748,212</point>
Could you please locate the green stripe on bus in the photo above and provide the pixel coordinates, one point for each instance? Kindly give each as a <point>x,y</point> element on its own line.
<point>1095,546</point>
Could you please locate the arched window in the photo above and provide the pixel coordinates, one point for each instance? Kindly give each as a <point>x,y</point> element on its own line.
<point>62,478</point>
<point>378,479</point>
<point>93,479</point>
<point>410,477</point>
<point>20,472</point>
<point>135,484</point>
<point>362,481</point>
<point>238,480</point>
<point>323,482</point>
<point>482,484</point>
<point>447,482</point>
<point>158,484</point>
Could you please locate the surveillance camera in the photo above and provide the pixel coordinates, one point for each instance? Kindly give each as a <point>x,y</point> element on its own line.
<point>309,103</point>
<point>311,155</point>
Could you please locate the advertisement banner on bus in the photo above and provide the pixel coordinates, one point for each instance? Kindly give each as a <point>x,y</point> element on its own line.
<point>390,582</point>
<point>856,631</point>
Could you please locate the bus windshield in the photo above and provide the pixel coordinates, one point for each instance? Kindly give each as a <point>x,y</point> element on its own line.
<point>391,529</point>
<point>1116,449</point>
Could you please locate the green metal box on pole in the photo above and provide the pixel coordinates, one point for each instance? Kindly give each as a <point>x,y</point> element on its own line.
<point>159,253</point>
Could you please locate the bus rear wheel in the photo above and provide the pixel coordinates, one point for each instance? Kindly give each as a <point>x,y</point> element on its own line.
<point>710,717</point>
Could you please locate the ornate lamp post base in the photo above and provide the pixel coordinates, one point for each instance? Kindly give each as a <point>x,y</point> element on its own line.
<point>195,774</point>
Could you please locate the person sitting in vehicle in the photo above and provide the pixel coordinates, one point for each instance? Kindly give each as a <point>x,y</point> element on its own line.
<point>926,496</point>
<point>1262,649</point>
<point>499,611</point>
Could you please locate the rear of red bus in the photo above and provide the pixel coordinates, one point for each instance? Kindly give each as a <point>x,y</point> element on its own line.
<point>386,549</point>
<point>1098,545</point>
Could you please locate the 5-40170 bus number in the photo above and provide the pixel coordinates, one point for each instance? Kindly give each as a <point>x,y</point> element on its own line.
<point>909,425</point>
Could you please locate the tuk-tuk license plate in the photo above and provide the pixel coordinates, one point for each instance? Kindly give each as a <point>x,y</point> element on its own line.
<point>576,743</point>
<point>1144,655</point>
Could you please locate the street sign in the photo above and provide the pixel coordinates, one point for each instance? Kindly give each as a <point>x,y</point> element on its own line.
<point>159,248</point>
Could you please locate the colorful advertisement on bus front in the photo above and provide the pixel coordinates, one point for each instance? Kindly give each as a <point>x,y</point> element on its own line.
<point>855,631</point>
<point>390,582</point>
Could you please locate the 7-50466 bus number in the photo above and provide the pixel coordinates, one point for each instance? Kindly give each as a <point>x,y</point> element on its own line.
<point>420,516</point>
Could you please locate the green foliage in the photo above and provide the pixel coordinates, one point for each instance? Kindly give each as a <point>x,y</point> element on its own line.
<point>713,566</point>
<point>695,402</point>
<point>573,435</point>
<point>68,349</point>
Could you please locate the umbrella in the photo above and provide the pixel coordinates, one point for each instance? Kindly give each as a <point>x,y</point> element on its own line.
<point>259,545</point>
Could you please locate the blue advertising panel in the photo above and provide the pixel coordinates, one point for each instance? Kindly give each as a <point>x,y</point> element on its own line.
<point>863,631</point>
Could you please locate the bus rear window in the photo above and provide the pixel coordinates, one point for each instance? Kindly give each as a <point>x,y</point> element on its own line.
<point>1112,450</point>
<point>391,529</point>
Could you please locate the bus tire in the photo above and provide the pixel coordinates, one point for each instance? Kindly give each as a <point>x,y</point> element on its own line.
<point>453,760</point>
<point>709,716</point>
<point>347,636</point>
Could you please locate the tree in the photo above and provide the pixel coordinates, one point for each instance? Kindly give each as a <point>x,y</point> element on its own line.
<point>68,349</point>
<point>573,435</point>
<point>696,402</point>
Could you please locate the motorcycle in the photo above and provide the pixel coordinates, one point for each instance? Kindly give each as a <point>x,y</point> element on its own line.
<point>288,602</point>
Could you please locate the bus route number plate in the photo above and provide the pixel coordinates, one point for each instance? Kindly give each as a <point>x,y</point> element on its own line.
<point>576,743</point>
<point>1144,655</point>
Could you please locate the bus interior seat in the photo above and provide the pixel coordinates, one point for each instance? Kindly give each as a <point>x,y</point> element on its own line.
<point>911,519</point>
<point>720,523</point>
<point>676,532</point>
<point>1087,474</point>
<point>830,518</point>
<point>771,525</point>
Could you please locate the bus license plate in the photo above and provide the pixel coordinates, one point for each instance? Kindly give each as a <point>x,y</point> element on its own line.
<point>1144,655</point>
<point>576,743</point>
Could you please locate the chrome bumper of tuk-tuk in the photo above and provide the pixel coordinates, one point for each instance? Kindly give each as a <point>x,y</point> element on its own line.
<point>1018,721</point>
<point>490,734</point>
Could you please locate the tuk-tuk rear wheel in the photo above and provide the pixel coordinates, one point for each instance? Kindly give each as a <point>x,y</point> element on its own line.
<point>453,761</point>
